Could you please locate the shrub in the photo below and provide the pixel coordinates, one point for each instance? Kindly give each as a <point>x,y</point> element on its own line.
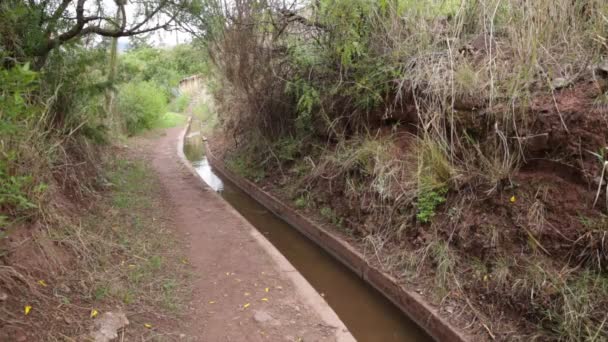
<point>180,103</point>
<point>428,201</point>
<point>16,86</point>
<point>141,104</point>
<point>287,148</point>
<point>207,115</point>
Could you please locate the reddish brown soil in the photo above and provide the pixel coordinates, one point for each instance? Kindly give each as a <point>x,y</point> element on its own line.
<point>583,130</point>
<point>231,268</point>
<point>543,212</point>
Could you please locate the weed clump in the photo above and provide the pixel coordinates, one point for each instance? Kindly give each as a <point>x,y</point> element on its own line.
<point>142,104</point>
<point>427,203</point>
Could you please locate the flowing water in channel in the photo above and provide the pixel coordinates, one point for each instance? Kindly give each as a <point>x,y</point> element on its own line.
<point>369,316</point>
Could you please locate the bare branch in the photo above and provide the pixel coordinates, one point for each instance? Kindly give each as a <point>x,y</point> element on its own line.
<point>97,24</point>
<point>55,17</point>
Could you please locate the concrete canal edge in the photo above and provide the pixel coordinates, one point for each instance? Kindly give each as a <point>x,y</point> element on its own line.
<point>409,302</point>
<point>310,296</point>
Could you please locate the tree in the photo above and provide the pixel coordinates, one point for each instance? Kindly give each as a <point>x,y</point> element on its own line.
<point>31,29</point>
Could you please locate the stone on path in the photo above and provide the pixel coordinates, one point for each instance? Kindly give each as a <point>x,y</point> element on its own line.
<point>108,325</point>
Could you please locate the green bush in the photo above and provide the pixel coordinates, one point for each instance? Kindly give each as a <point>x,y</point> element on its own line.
<point>287,148</point>
<point>141,104</point>
<point>16,86</point>
<point>180,103</point>
<point>428,201</point>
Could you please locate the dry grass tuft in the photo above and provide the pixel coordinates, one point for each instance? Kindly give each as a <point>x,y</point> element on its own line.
<point>473,83</point>
<point>118,255</point>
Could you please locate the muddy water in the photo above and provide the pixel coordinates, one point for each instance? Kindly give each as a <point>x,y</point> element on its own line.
<point>369,316</point>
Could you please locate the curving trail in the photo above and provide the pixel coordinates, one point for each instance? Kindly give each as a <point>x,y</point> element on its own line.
<point>243,289</point>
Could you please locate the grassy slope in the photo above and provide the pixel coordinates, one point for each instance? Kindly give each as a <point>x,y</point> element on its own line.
<point>116,253</point>
<point>461,146</point>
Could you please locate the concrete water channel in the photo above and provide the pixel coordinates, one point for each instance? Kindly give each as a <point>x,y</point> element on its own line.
<point>369,316</point>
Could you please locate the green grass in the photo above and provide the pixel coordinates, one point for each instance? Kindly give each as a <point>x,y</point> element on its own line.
<point>124,254</point>
<point>130,188</point>
<point>445,263</point>
<point>301,202</point>
<point>331,216</point>
<point>169,120</point>
<point>150,273</point>
<point>428,201</point>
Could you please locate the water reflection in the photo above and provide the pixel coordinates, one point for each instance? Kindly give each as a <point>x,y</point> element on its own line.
<point>195,152</point>
<point>368,315</point>
<point>204,170</point>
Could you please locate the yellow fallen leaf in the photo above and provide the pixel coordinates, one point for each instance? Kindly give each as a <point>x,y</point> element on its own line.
<point>94,313</point>
<point>211,302</point>
<point>264,299</point>
<point>148,325</point>
<point>184,261</point>
<point>485,277</point>
<point>27,309</point>
<point>246,306</point>
<point>246,294</point>
<point>266,289</point>
<point>131,265</point>
<point>513,199</point>
<point>42,283</point>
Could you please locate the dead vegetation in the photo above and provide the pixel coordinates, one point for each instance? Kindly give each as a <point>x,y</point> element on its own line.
<point>461,142</point>
<point>117,255</point>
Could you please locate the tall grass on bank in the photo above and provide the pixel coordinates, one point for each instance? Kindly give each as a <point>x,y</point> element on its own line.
<point>48,136</point>
<point>460,74</point>
<point>118,256</point>
<point>345,65</point>
<point>410,111</point>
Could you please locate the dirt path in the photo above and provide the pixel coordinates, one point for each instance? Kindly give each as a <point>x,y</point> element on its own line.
<point>243,290</point>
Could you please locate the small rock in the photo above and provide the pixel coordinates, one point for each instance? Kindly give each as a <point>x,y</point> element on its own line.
<point>262,316</point>
<point>182,336</point>
<point>3,296</point>
<point>559,83</point>
<point>108,325</point>
<point>449,309</point>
